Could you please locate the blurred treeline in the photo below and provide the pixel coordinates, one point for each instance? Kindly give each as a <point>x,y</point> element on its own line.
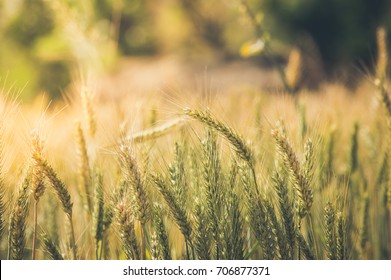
<point>43,43</point>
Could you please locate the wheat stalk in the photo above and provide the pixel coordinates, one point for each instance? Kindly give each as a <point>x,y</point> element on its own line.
<point>89,113</point>
<point>17,225</point>
<point>50,247</point>
<point>363,237</point>
<point>341,236</point>
<point>61,191</point>
<point>259,219</point>
<point>98,216</point>
<point>330,234</point>
<point>37,182</point>
<point>242,149</point>
<point>51,217</point>
<point>84,166</point>
<point>133,177</point>
<point>163,246</point>
<point>353,150</point>
<point>277,231</point>
<point>201,235</point>
<point>178,176</point>
<point>300,177</point>
<point>126,230</point>
<point>212,187</point>
<point>304,247</point>
<point>286,210</point>
<point>155,132</point>
<point>233,240</point>
<point>176,209</point>
<point>140,197</point>
<point>240,146</point>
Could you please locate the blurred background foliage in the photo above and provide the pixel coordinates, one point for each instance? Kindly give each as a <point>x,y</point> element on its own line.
<point>44,43</point>
<point>344,31</point>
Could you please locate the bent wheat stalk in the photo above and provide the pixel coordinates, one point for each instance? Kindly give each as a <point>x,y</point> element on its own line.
<point>241,147</point>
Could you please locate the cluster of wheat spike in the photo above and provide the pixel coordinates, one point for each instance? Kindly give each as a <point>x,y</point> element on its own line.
<point>311,179</point>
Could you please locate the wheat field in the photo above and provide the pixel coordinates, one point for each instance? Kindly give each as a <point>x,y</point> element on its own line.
<point>254,175</point>
<point>287,174</point>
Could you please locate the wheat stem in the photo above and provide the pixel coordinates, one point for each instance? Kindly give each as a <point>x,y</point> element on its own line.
<point>312,234</point>
<point>98,215</point>
<point>35,228</point>
<point>143,248</point>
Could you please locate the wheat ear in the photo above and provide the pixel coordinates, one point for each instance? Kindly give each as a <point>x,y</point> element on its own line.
<point>305,248</point>
<point>126,230</point>
<point>259,219</point>
<point>201,235</point>
<point>89,113</point>
<point>37,182</point>
<point>163,246</point>
<point>98,216</point>
<point>61,191</point>
<point>17,226</point>
<point>341,237</point>
<point>241,148</point>
<point>50,247</point>
<point>233,240</point>
<point>177,211</point>
<point>140,197</point>
<point>286,209</point>
<point>84,167</point>
<point>178,176</point>
<point>300,177</point>
<point>330,235</point>
<point>212,187</point>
